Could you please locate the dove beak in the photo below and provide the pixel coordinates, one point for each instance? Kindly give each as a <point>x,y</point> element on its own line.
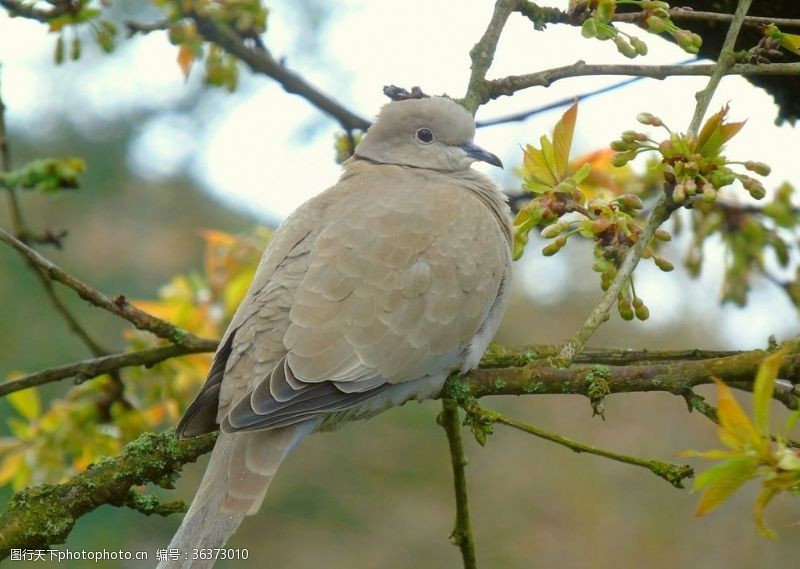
<point>476,152</point>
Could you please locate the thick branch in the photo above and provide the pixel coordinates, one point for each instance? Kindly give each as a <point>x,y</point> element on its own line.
<point>510,371</point>
<point>151,458</point>
<point>540,377</point>
<point>462,531</point>
<point>482,55</point>
<point>118,306</point>
<point>90,368</point>
<point>261,61</point>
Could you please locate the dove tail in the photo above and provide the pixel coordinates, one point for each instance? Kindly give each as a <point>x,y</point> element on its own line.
<point>239,472</point>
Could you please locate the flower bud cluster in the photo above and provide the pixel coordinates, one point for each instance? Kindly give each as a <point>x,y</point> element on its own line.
<point>693,167</point>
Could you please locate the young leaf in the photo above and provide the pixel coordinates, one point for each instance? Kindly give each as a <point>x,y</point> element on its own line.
<point>763,389</point>
<point>736,430</point>
<point>562,139</point>
<point>27,403</point>
<point>186,58</point>
<point>722,480</point>
<point>764,498</point>
<point>536,165</point>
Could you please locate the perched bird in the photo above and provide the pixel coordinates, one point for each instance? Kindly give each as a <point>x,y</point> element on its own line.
<point>369,295</point>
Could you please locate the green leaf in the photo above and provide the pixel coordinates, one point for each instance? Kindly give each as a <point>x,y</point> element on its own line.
<point>763,388</point>
<point>722,480</point>
<point>27,403</point>
<point>582,173</point>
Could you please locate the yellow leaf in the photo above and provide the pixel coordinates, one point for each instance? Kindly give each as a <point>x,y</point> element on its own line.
<point>237,288</point>
<point>763,388</point>
<point>562,139</point>
<point>27,403</point>
<point>9,466</point>
<point>764,498</point>
<point>186,58</point>
<point>736,431</point>
<point>536,165</point>
<point>216,238</point>
<point>791,42</point>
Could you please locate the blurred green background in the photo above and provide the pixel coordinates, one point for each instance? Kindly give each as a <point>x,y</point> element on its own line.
<point>380,494</point>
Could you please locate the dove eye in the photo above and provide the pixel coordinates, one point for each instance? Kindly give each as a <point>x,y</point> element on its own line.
<point>425,136</point>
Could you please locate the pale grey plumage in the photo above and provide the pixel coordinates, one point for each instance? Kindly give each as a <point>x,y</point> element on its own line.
<point>368,295</point>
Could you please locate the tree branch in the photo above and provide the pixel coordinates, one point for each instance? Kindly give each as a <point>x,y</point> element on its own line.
<point>724,63</point>
<point>700,16</point>
<point>117,306</point>
<point>261,61</point>
<point>151,458</point>
<point>461,535</point>
<point>509,85</point>
<point>675,474</point>
<point>523,373</point>
<point>94,367</point>
<point>482,55</point>
<point>17,8</point>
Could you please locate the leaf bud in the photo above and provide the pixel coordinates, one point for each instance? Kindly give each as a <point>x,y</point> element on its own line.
<point>754,187</point>
<point>620,145</point>
<point>656,24</point>
<point>678,194</point>
<point>554,246</point>
<point>758,167</point>
<point>624,47</point>
<point>663,235</point>
<point>625,309</point>
<point>553,230</point>
<point>639,46</point>
<point>640,310</point>
<point>621,158</point>
<point>630,201</point>
<point>648,118</point>
<point>662,263</point>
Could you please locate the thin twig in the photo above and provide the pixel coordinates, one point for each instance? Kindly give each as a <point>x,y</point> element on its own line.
<point>675,474</point>
<point>698,16</point>
<point>90,368</point>
<point>118,306</point>
<point>724,63</point>
<point>21,9</point>
<point>513,83</point>
<point>462,531</point>
<point>661,212</point>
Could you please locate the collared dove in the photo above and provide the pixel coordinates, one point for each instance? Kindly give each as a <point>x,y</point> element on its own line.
<point>369,295</point>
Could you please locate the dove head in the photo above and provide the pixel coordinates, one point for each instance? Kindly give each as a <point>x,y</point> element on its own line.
<point>434,133</point>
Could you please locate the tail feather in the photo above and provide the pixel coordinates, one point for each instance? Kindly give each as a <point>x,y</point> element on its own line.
<point>240,470</point>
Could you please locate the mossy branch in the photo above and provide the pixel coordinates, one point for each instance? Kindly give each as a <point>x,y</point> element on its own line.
<point>675,474</point>
<point>44,515</point>
<point>461,535</point>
